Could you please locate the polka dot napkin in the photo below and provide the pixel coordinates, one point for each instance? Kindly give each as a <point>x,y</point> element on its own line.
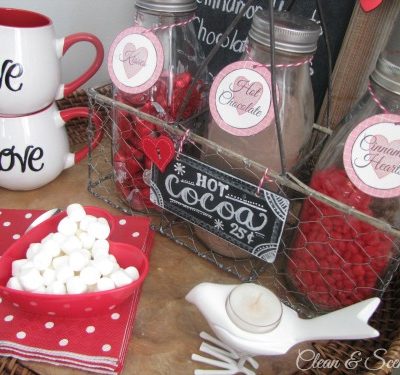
<point>97,344</point>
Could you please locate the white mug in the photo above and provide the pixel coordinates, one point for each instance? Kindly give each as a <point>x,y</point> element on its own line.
<point>34,149</point>
<point>30,66</point>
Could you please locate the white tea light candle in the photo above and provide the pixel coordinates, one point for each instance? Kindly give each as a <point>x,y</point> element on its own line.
<point>254,308</point>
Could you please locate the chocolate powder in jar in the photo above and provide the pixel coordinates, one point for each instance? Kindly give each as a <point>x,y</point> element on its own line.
<point>262,148</point>
<point>296,41</point>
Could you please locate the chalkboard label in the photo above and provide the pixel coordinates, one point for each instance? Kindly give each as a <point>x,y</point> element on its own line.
<point>222,204</point>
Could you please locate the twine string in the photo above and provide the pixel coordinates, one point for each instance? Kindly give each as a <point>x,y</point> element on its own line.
<point>178,24</point>
<point>376,99</point>
<point>264,178</point>
<point>182,142</point>
<point>257,64</point>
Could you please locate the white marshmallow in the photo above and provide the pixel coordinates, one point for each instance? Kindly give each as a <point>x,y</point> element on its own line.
<point>75,285</point>
<point>104,265</point>
<point>41,289</point>
<point>132,272</point>
<point>76,212</point>
<point>71,244</point>
<point>105,283</point>
<point>84,224</point>
<point>64,273</point>
<point>120,278</point>
<point>86,253</point>
<point>33,249</point>
<point>29,264</point>
<point>47,238</point>
<point>58,237</point>
<point>49,276</point>
<point>42,260</point>
<point>78,260</point>
<point>30,279</point>
<point>57,287</point>
<point>100,249</point>
<point>100,229</point>
<point>60,261</point>
<point>14,283</point>
<point>86,239</point>
<point>17,265</point>
<point>67,226</point>
<point>90,275</point>
<point>102,220</point>
<point>114,260</point>
<point>51,246</point>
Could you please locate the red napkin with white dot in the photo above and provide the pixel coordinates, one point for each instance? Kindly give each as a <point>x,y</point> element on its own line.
<point>96,344</point>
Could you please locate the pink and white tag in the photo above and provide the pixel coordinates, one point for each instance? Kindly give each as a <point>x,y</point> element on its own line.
<point>240,99</point>
<point>371,156</point>
<point>135,60</point>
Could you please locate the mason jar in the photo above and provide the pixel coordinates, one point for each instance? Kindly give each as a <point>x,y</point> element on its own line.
<point>245,123</point>
<point>337,259</point>
<point>175,56</point>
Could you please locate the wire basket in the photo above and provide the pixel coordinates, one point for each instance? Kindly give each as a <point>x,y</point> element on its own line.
<point>309,282</point>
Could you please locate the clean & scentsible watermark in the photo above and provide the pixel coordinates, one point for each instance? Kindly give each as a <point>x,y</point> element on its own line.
<point>308,359</point>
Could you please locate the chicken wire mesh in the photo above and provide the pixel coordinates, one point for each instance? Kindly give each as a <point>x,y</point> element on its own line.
<point>332,253</point>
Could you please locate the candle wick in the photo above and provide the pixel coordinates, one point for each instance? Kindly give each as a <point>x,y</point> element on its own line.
<point>257,300</point>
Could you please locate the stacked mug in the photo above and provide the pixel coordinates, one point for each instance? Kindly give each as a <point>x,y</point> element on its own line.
<point>34,147</point>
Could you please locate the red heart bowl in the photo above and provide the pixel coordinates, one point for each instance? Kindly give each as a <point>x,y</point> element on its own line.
<point>71,305</point>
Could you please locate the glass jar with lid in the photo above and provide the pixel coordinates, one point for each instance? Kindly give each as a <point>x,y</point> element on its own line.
<point>337,259</point>
<point>153,65</point>
<point>243,118</point>
<point>254,135</point>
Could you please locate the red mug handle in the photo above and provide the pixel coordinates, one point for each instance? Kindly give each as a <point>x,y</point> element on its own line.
<point>69,41</point>
<point>71,113</point>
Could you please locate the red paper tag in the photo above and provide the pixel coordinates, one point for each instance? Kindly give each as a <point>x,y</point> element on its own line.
<point>159,150</point>
<point>368,5</point>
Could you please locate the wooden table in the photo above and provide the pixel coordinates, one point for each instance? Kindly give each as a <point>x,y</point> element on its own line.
<point>167,327</point>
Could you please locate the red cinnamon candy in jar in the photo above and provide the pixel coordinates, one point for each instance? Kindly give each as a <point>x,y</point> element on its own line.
<point>152,65</point>
<point>337,259</point>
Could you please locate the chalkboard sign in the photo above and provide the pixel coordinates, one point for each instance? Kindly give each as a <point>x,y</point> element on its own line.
<point>222,204</point>
<point>214,16</point>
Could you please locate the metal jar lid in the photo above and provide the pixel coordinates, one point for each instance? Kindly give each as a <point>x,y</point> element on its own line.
<point>387,75</point>
<point>168,6</point>
<point>292,33</point>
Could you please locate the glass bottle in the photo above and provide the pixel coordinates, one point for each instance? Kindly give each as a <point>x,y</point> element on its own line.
<point>172,23</point>
<point>337,259</point>
<point>295,42</point>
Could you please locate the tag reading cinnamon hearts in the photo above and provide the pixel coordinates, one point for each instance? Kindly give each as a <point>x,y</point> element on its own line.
<point>159,150</point>
<point>368,5</point>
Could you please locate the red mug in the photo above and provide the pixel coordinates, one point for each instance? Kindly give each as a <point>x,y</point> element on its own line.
<point>34,149</point>
<point>30,62</point>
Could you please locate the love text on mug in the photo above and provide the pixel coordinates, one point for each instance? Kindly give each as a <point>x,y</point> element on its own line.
<point>9,75</point>
<point>29,159</point>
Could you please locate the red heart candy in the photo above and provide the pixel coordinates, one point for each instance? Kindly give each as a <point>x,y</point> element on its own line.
<point>159,150</point>
<point>368,5</point>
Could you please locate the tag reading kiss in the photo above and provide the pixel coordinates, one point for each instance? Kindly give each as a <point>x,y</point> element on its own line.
<point>222,204</point>
<point>135,60</point>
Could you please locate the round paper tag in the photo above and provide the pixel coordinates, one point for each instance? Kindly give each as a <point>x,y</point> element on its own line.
<point>135,60</point>
<point>240,98</point>
<point>371,156</point>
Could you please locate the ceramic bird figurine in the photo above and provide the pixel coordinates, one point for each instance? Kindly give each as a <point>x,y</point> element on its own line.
<point>254,303</point>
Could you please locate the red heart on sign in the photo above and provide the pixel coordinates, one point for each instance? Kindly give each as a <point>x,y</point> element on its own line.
<point>368,5</point>
<point>159,150</point>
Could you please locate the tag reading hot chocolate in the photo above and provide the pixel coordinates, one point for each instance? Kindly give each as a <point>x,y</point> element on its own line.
<point>222,204</point>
